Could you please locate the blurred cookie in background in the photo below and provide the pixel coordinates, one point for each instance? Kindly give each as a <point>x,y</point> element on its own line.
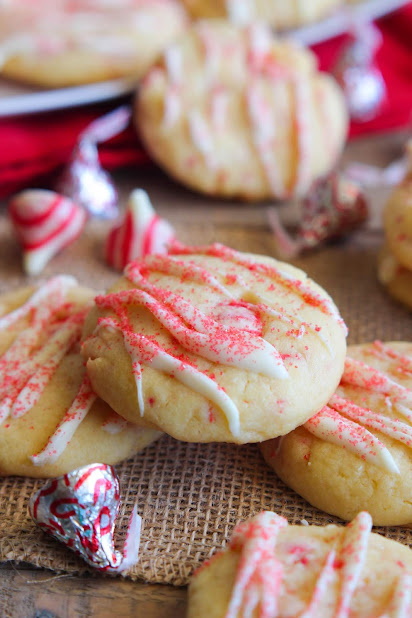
<point>66,43</point>
<point>278,13</point>
<point>234,112</point>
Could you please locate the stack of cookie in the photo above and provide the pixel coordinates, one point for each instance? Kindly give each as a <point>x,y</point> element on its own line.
<point>51,421</point>
<point>395,260</point>
<point>209,344</point>
<point>204,343</point>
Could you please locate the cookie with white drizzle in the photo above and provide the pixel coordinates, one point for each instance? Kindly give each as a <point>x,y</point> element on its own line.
<point>210,344</point>
<point>60,43</point>
<point>233,112</point>
<point>272,570</point>
<point>356,453</point>
<point>51,422</point>
<point>278,13</point>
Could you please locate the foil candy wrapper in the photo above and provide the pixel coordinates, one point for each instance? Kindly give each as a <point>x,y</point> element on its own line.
<point>355,70</point>
<point>80,510</point>
<point>334,207</point>
<point>84,180</point>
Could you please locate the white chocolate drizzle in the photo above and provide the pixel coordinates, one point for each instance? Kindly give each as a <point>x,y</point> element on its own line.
<point>259,579</point>
<point>295,286</point>
<point>260,68</point>
<point>400,604</point>
<point>360,374</point>
<point>226,340</point>
<point>204,336</point>
<point>353,556</point>
<point>55,287</point>
<point>65,430</point>
<point>174,68</point>
<point>201,136</point>
<point>302,92</point>
<point>53,327</point>
<point>385,351</point>
<point>259,576</point>
<point>114,424</point>
<point>322,583</point>
<point>142,349</point>
<point>332,427</point>
<point>345,423</point>
<point>264,136</point>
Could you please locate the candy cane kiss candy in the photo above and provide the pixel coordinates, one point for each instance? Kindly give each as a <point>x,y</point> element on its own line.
<point>140,233</point>
<point>45,222</point>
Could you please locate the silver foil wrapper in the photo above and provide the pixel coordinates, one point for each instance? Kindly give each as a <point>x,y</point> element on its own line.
<point>334,207</point>
<point>84,180</point>
<point>80,510</point>
<point>355,70</point>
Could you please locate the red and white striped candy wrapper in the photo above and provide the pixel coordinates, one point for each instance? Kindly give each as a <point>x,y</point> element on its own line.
<point>45,222</point>
<point>80,510</point>
<point>141,232</point>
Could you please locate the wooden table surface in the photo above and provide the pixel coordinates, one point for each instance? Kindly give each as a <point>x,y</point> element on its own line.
<point>26,592</point>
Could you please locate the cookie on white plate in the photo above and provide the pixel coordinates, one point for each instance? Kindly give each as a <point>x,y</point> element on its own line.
<point>272,570</point>
<point>356,453</point>
<point>234,112</point>
<point>60,43</point>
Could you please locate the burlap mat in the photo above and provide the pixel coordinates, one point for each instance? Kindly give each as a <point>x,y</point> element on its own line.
<point>190,496</point>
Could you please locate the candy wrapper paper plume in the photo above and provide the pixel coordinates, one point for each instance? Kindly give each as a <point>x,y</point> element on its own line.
<point>80,510</point>
<point>334,207</point>
<point>84,180</point>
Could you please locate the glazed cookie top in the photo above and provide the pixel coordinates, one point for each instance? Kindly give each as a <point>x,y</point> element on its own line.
<point>210,344</point>
<point>50,419</point>
<point>234,111</point>
<point>272,570</point>
<point>356,453</point>
<point>375,396</point>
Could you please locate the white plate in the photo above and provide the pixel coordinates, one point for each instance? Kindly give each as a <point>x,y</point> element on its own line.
<point>18,99</point>
<point>342,20</point>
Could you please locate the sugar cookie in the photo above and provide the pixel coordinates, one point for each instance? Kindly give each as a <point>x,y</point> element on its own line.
<point>234,112</point>
<point>270,569</point>
<point>63,43</point>
<point>356,453</point>
<point>209,344</point>
<point>50,420</point>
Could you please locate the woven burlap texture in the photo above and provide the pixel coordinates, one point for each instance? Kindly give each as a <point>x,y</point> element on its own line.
<point>190,496</point>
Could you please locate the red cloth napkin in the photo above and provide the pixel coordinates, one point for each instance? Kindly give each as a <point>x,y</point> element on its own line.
<point>32,147</point>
